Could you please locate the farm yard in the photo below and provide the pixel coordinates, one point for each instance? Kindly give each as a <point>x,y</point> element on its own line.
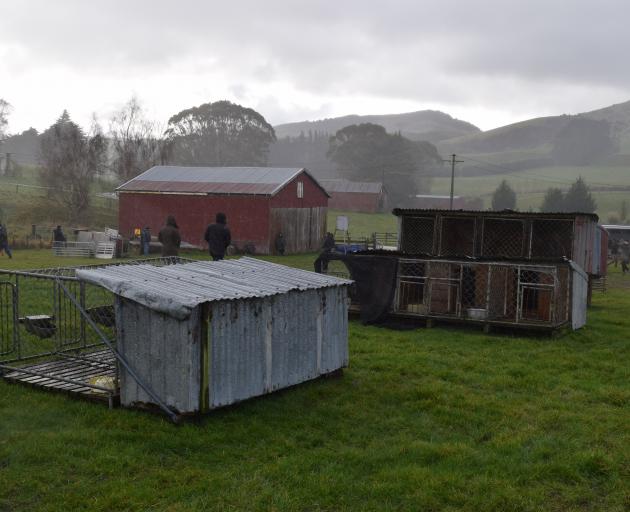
<point>423,419</point>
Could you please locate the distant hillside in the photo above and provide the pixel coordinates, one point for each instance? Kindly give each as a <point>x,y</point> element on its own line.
<point>429,125</point>
<point>530,143</point>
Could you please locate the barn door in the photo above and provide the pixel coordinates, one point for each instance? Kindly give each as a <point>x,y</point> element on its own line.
<point>8,318</point>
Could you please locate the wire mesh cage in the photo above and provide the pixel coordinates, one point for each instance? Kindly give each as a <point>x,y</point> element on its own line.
<point>57,331</point>
<point>484,291</point>
<point>417,235</point>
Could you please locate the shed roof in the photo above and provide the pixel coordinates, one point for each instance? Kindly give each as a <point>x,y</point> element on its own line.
<point>177,289</point>
<point>363,187</point>
<point>214,180</point>
<point>401,212</point>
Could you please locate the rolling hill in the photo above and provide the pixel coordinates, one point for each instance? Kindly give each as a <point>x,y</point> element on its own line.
<point>430,125</point>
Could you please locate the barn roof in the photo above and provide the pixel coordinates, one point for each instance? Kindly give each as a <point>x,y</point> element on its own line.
<point>214,180</point>
<point>352,186</point>
<point>177,289</point>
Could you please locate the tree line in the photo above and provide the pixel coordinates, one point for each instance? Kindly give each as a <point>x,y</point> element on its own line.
<point>221,133</point>
<point>578,198</point>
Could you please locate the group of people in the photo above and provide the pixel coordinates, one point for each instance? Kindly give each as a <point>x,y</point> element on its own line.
<point>217,236</point>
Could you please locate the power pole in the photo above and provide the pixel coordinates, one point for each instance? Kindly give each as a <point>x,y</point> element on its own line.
<point>453,161</point>
<point>7,167</point>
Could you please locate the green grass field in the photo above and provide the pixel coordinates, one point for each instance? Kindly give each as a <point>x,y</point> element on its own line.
<point>439,419</point>
<point>611,185</point>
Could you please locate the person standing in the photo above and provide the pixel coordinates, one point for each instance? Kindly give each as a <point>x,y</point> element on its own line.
<point>170,238</point>
<point>4,241</point>
<point>218,237</point>
<point>58,235</point>
<point>145,240</point>
<point>321,263</point>
<point>625,256</point>
<point>280,244</point>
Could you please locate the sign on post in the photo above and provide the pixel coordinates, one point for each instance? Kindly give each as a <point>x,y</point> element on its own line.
<point>342,223</point>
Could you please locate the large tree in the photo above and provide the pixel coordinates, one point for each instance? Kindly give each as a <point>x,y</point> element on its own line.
<point>367,152</point>
<point>553,200</point>
<point>219,133</point>
<point>579,198</point>
<point>504,197</point>
<point>137,143</point>
<point>5,108</point>
<point>71,159</point>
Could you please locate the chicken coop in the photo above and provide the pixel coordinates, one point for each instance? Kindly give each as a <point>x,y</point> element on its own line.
<point>174,334</point>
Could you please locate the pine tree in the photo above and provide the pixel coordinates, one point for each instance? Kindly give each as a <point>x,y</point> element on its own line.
<point>504,197</point>
<point>579,198</point>
<point>553,201</point>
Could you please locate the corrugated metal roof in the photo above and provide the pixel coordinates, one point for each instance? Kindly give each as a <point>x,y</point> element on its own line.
<point>363,187</point>
<point>177,289</point>
<point>213,180</point>
<point>493,213</point>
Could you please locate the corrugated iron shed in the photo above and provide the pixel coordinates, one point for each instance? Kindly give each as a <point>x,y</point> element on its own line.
<point>176,290</point>
<point>266,181</point>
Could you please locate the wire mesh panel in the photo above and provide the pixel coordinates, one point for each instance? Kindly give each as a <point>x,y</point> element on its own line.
<point>411,286</point>
<point>8,319</point>
<point>417,235</point>
<point>474,294</point>
<point>551,238</point>
<point>444,288</point>
<point>503,282</point>
<point>536,294</point>
<point>506,293</point>
<point>457,236</point>
<point>503,238</point>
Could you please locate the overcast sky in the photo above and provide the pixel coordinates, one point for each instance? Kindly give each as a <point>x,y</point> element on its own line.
<point>487,62</point>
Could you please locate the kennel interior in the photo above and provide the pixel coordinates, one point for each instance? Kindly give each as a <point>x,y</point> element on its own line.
<point>207,334</point>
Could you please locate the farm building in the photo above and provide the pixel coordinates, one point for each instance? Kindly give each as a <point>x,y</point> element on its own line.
<point>260,203</point>
<point>505,268</point>
<point>354,196</point>
<point>186,336</point>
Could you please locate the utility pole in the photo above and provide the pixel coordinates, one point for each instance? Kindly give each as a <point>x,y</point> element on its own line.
<point>7,167</point>
<point>453,161</point>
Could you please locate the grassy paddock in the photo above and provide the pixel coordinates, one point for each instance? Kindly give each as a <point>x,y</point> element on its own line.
<point>440,419</point>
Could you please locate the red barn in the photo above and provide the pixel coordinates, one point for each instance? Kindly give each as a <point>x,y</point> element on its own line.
<point>354,196</point>
<point>260,203</point>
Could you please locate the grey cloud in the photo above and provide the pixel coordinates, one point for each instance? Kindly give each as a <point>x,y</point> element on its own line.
<point>445,51</point>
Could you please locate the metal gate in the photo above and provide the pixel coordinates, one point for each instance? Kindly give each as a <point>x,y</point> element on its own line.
<point>8,319</point>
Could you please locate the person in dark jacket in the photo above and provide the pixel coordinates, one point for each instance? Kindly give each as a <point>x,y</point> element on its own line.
<point>321,263</point>
<point>58,235</point>
<point>218,237</point>
<point>280,244</point>
<point>4,241</point>
<point>145,240</point>
<point>169,237</point>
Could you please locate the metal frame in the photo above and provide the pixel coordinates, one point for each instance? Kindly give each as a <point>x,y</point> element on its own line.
<point>76,334</point>
<point>512,305</point>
